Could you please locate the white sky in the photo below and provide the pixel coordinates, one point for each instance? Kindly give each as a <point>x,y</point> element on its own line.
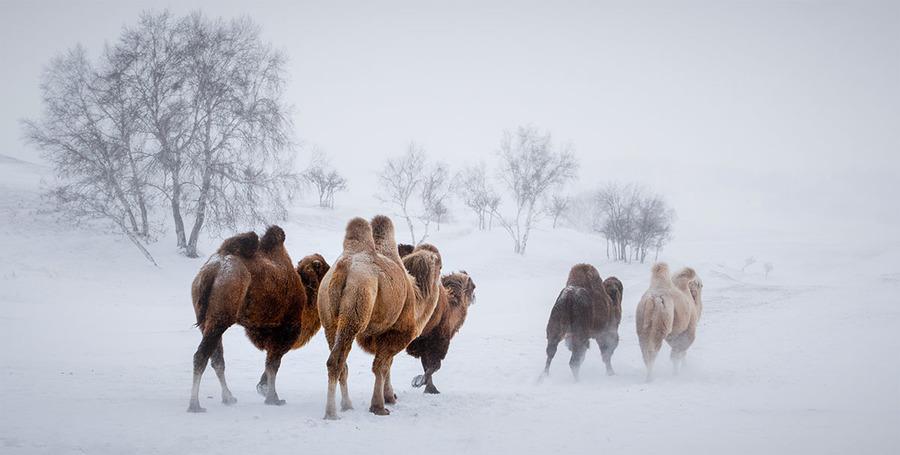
<point>761,116</point>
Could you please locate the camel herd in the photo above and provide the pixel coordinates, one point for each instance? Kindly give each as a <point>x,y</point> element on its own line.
<point>389,298</point>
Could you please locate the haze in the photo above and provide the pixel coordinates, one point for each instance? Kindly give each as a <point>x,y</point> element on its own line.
<point>750,116</point>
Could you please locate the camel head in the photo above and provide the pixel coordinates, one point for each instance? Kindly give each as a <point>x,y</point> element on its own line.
<point>311,270</point>
<point>405,249</point>
<point>461,288</point>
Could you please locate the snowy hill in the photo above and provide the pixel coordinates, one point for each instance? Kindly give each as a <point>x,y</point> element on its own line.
<point>97,346</point>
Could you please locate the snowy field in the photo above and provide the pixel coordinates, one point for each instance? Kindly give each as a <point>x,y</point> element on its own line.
<point>97,347</point>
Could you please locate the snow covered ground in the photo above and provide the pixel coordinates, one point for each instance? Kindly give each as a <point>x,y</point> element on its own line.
<point>97,347</point>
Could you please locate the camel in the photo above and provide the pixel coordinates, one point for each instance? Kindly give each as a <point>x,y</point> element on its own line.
<point>588,307</point>
<point>369,297</point>
<point>669,310</point>
<point>457,293</point>
<point>251,281</point>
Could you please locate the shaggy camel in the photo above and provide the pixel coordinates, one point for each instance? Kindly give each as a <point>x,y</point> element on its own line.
<point>251,281</point>
<point>586,308</point>
<point>369,297</point>
<point>311,269</point>
<point>669,310</point>
<point>456,294</point>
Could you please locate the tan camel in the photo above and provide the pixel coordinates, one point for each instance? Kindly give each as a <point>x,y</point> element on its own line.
<point>669,310</point>
<point>369,297</point>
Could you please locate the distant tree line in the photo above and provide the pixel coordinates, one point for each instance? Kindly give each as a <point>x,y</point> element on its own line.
<point>183,115</point>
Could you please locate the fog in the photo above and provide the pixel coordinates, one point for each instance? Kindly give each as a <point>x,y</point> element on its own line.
<point>748,115</point>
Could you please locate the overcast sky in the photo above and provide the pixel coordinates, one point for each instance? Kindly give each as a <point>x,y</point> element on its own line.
<point>762,115</point>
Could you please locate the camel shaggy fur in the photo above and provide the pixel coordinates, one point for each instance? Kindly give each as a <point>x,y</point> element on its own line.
<point>588,307</point>
<point>457,293</point>
<point>251,281</point>
<point>369,297</point>
<point>669,310</point>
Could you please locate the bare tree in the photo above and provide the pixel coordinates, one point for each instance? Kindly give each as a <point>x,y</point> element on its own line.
<point>530,166</point>
<point>477,194</point>
<point>557,206</point>
<point>324,178</point>
<point>88,132</point>
<point>399,180</point>
<point>631,219</point>
<point>211,95</point>
<point>748,262</point>
<point>768,268</point>
<point>436,190</point>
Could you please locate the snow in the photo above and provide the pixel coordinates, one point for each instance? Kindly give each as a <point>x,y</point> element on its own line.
<point>97,347</point>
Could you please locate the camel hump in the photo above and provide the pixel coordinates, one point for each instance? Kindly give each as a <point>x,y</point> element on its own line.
<point>683,277</point>
<point>358,237</point>
<point>273,238</point>
<point>243,245</point>
<point>584,275</point>
<point>383,236</point>
<point>659,274</point>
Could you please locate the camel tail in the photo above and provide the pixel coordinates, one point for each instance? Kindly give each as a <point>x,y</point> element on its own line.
<point>338,282</point>
<point>202,292</point>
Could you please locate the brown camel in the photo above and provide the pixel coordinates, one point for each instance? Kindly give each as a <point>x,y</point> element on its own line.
<point>586,308</point>
<point>456,294</point>
<point>251,281</point>
<point>369,297</point>
<point>669,310</point>
<point>311,269</point>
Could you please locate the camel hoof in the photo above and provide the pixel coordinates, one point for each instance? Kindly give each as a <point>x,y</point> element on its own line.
<point>346,407</point>
<point>390,399</point>
<point>331,417</point>
<point>195,407</point>
<point>432,389</point>
<point>262,388</point>
<point>275,402</point>
<point>380,410</point>
<point>418,381</point>
<point>610,372</point>
<point>229,400</point>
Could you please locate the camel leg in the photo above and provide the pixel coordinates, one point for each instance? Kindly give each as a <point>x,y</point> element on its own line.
<point>649,349</point>
<point>553,339</point>
<point>262,387</point>
<point>337,372</point>
<point>431,364</point>
<point>389,396</point>
<point>579,347</point>
<point>679,345</point>
<point>273,363</point>
<point>380,367</point>
<point>346,404</point>
<point>608,343</point>
<point>207,345</point>
<point>218,364</point>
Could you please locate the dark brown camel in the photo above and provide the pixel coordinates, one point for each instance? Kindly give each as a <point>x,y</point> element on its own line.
<point>252,282</point>
<point>457,293</point>
<point>587,307</point>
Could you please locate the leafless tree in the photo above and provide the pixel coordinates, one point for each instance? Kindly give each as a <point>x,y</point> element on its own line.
<point>631,219</point>
<point>436,190</point>
<point>748,262</point>
<point>326,180</point>
<point>89,133</point>
<point>399,180</point>
<point>530,165</point>
<point>768,268</point>
<point>557,206</point>
<point>477,194</point>
<point>211,95</point>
